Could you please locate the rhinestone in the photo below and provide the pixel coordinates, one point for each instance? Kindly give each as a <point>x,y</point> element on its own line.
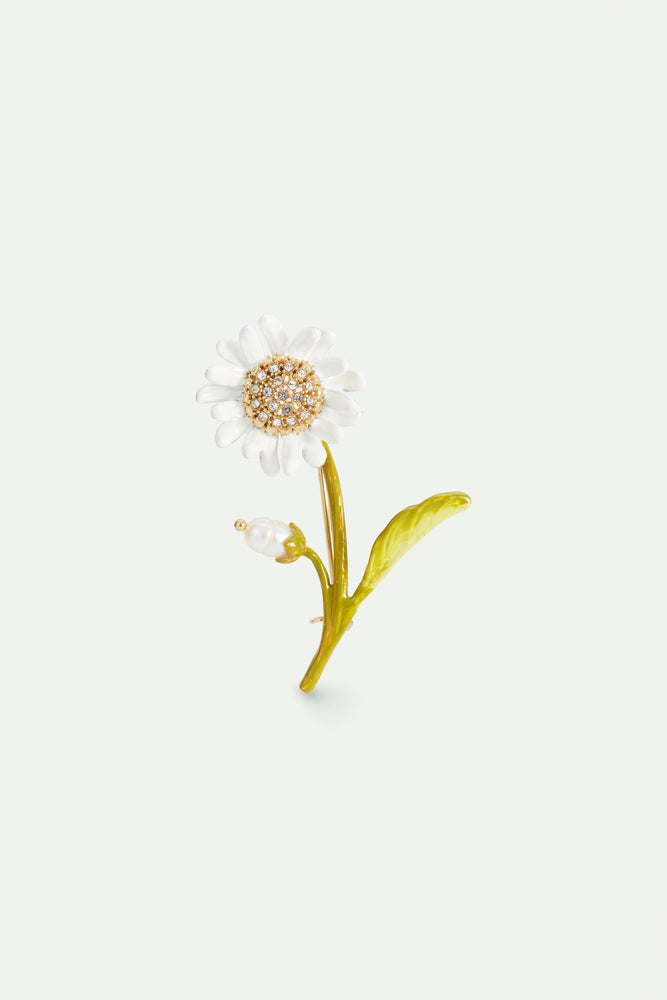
<point>282,395</point>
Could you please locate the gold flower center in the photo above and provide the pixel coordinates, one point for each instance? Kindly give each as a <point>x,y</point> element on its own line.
<point>282,395</point>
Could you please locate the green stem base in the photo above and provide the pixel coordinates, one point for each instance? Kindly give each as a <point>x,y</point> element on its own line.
<point>333,631</point>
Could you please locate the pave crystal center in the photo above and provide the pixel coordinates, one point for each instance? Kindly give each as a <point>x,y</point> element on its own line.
<point>282,395</point>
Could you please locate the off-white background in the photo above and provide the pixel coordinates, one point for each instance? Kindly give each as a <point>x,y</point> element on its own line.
<point>471,806</point>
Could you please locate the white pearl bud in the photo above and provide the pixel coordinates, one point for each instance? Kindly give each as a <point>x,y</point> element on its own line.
<point>268,537</point>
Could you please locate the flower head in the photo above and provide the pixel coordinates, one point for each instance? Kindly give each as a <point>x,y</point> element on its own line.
<point>282,397</point>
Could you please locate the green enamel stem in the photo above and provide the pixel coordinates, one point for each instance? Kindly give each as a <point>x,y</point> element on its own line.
<point>338,607</point>
<point>339,534</point>
<point>403,531</point>
<point>322,576</point>
<point>333,631</point>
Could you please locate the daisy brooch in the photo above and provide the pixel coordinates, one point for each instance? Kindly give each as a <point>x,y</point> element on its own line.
<point>286,401</point>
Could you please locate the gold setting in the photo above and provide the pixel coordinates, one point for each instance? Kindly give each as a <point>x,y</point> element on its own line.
<point>287,390</point>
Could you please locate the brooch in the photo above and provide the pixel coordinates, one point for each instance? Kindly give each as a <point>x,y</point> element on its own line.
<point>287,401</point>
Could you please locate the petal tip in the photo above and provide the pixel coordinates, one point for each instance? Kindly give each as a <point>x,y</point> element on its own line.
<point>268,319</point>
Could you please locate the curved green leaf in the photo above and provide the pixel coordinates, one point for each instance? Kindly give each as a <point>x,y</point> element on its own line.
<point>404,531</point>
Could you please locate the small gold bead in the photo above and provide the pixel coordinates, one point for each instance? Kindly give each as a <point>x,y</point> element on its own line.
<point>240,524</point>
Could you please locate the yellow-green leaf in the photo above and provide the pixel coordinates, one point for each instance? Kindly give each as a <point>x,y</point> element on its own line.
<point>404,531</point>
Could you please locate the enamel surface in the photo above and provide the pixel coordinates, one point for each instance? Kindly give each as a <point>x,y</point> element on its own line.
<point>281,398</point>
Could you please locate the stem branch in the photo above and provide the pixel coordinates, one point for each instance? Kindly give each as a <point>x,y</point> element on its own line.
<point>322,576</point>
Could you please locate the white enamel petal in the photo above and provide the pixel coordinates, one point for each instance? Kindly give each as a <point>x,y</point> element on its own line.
<point>224,375</point>
<point>340,418</point>
<point>327,431</point>
<point>341,401</point>
<point>291,453</point>
<point>253,442</point>
<point>304,342</point>
<point>330,366</point>
<point>253,345</point>
<point>210,393</point>
<point>268,458</point>
<point>231,431</point>
<point>230,352</point>
<point>313,450</point>
<point>228,410</point>
<point>324,345</point>
<point>274,333</point>
<point>347,382</point>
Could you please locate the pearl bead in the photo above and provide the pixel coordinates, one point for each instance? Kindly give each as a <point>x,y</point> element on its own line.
<point>267,537</point>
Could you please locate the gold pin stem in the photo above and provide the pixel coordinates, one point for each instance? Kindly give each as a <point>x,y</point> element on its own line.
<point>326,511</point>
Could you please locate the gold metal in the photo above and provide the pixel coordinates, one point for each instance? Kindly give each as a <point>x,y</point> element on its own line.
<point>240,524</point>
<point>271,402</point>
